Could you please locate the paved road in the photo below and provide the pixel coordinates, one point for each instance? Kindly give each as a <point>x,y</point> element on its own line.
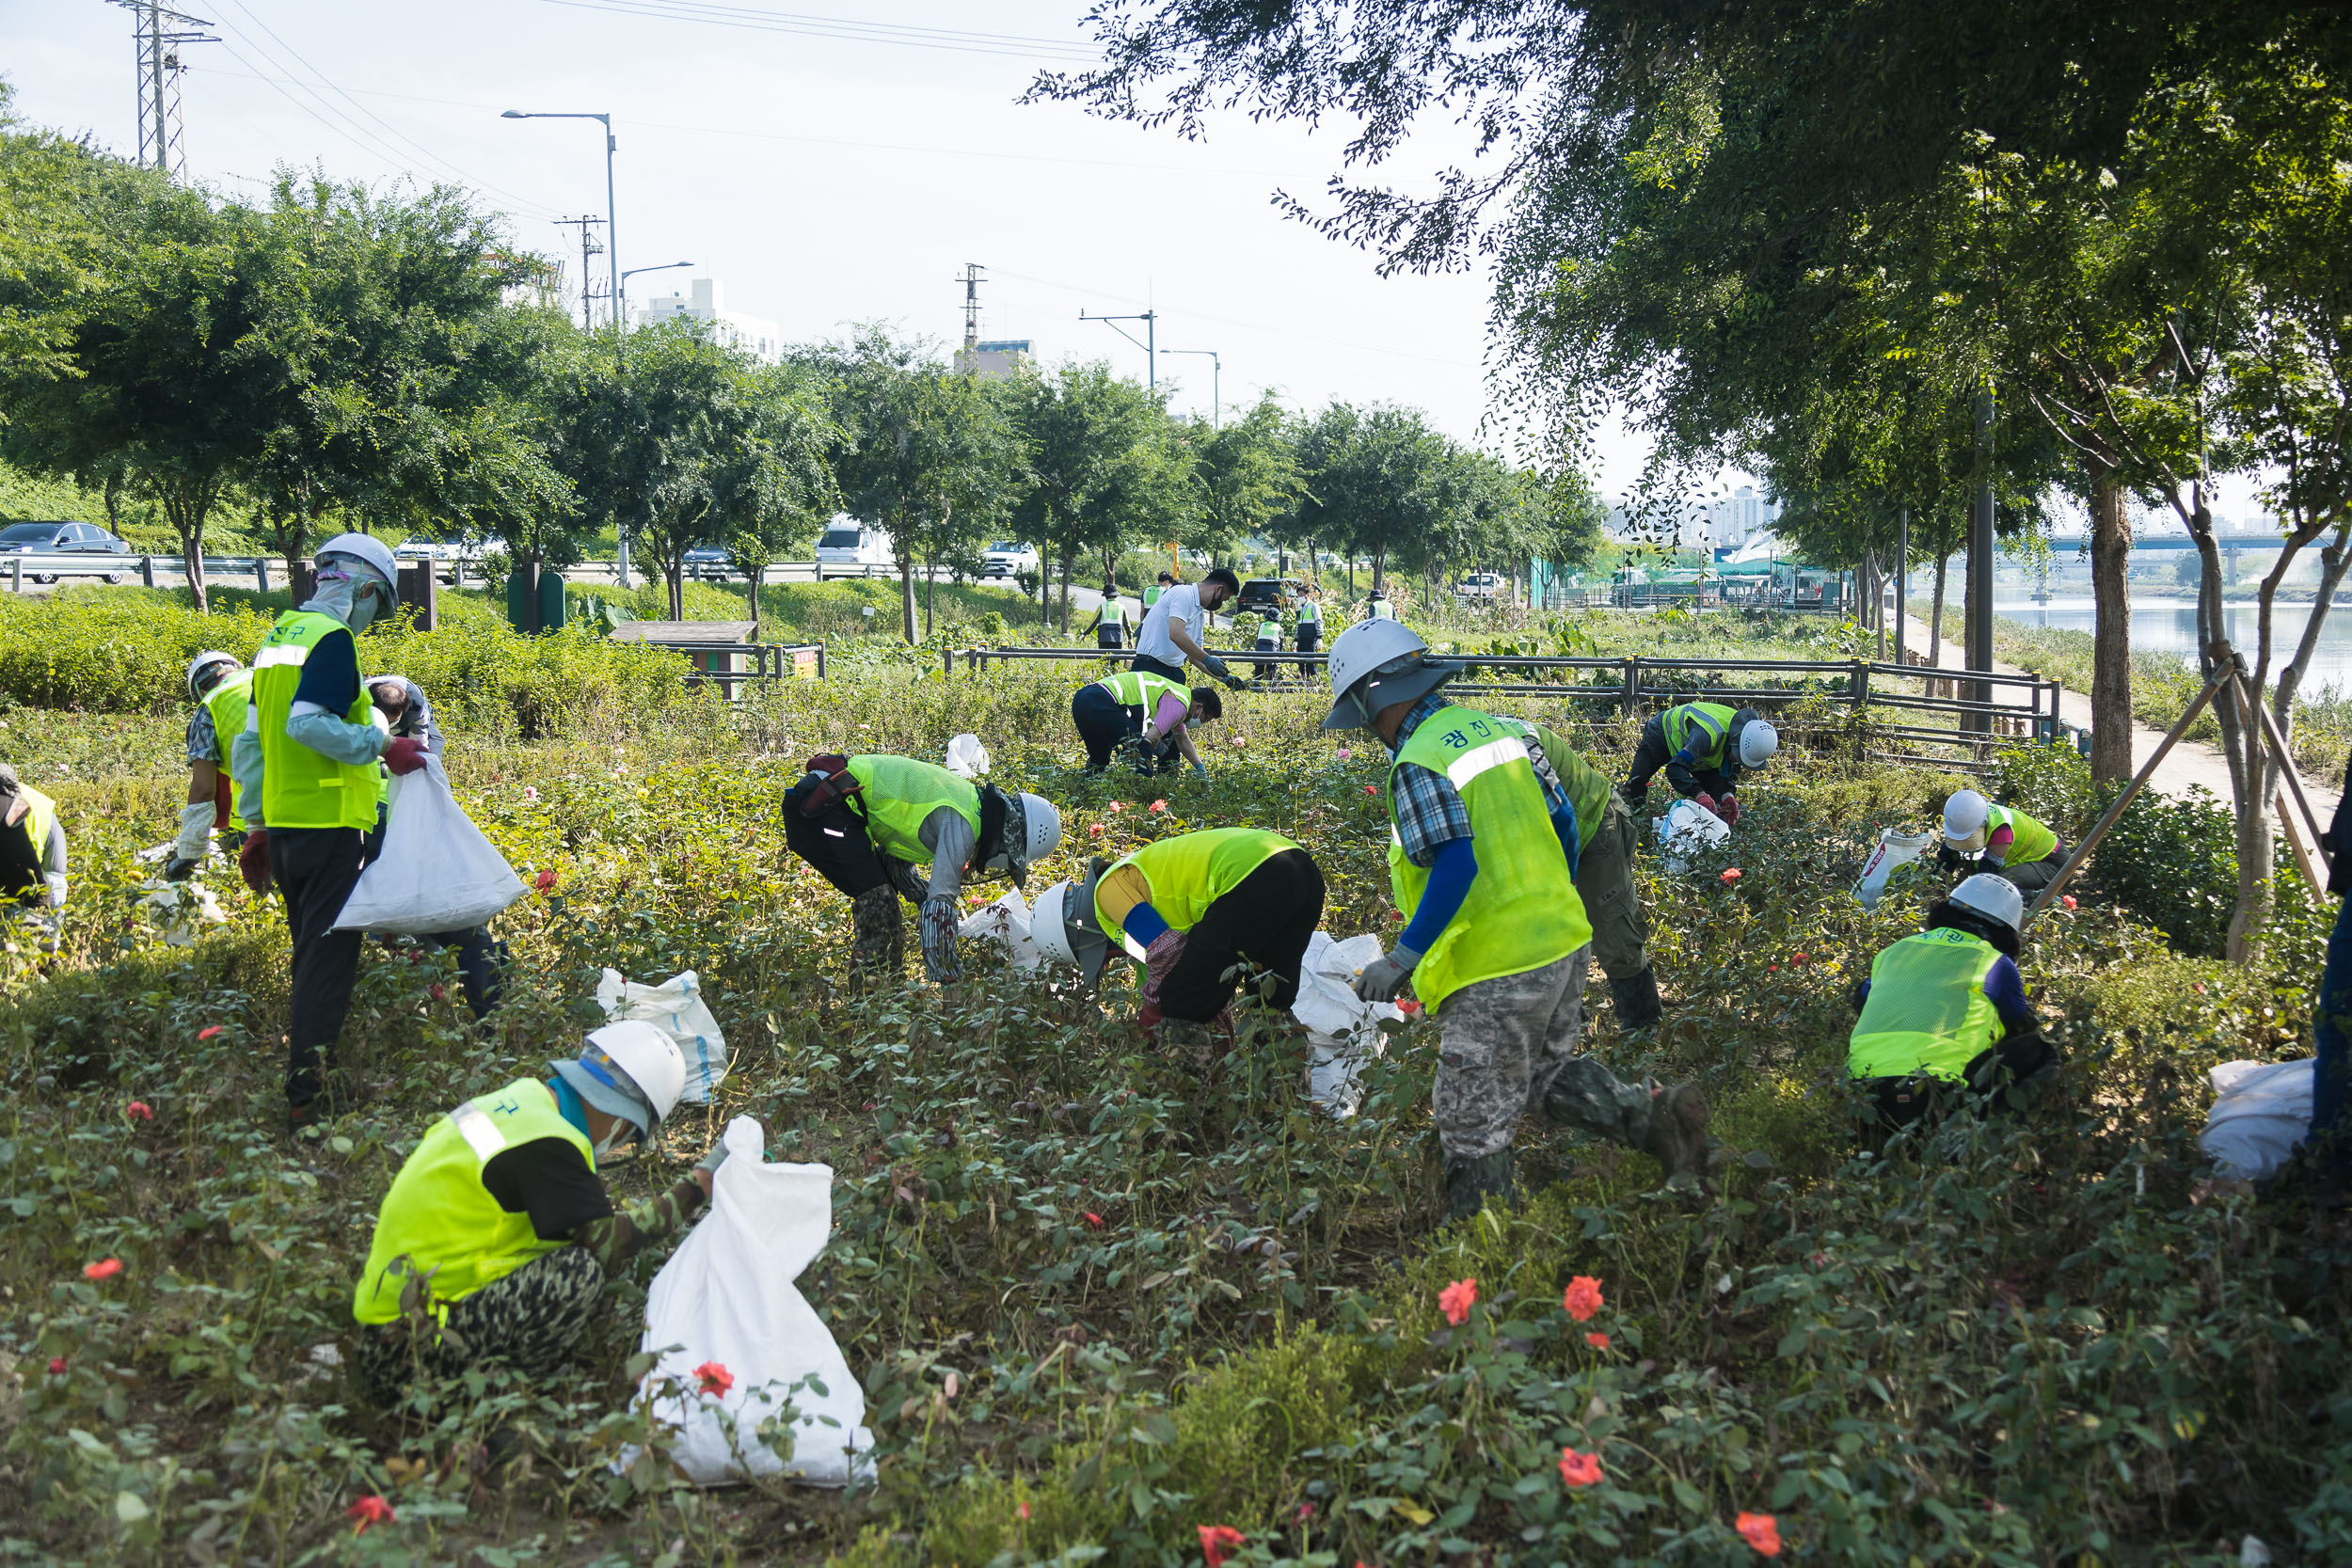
<point>2191,762</point>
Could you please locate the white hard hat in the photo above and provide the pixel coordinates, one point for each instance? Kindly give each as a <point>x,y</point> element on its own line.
<point>629,1069</point>
<point>1036,836</point>
<point>1758,740</point>
<point>369,551</point>
<point>204,661</point>
<point>1965,817</point>
<point>1384,659</point>
<point>1994,898</point>
<point>1065,928</point>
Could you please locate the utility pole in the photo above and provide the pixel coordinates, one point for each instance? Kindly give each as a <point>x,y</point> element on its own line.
<point>1217,384</point>
<point>163,143</point>
<point>1150,343</point>
<point>971,279</point>
<point>588,248</point>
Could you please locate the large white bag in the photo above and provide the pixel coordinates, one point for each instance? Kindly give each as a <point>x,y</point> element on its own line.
<point>1342,1032</point>
<point>1895,851</point>
<point>1687,829</point>
<point>1005,923</point>
<point>966,757</point>
<point>727,1296</point>
<point>675,1007</point>
<point>2261,1111</point>
<point>436,872</point>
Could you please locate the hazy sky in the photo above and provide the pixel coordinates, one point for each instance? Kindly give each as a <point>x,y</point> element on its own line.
<point>826,180</point>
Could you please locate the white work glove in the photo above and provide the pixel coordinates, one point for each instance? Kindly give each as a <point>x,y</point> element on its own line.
<point>195,829</point>
<point>1386,975</point>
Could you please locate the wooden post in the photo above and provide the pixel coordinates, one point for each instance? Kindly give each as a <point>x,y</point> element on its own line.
<point>1861,692</point>
<point>146,571</point>
<point>1631,701</point>
<point>419,589</point>
<point>16,574</point>
<point>261,573</point>
<point>2139,781</point>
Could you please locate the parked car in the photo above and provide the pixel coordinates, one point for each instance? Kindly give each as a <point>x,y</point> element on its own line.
<point>62,538</point>
<point>1007,558</point>
<point>1260,594</point>
<point>1479,585</point>
<point>846,543</point>
<point>702,558</point>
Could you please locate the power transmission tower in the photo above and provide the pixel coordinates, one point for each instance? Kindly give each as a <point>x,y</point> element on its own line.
<point>160,32</point>
<point>588,248</point>
<point>969,359</point>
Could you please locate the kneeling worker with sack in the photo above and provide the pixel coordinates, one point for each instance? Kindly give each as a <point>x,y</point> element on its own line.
<point>309,756</point>
<point>1945,1012</point>
<point>1497,942</point>
<point>1145,714</point>
<point>1978,834</point>
<point>32,855</point>
<point>865,822</point>
<point>1703,748</point>
<point>1190,909</point>
<point>498,1236</point>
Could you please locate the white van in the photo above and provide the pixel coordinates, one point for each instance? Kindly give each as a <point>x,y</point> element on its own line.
<point>847,544</point>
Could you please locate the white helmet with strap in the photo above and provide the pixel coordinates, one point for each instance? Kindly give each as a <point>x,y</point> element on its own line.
<point>1994,898</point>
<point>209,663</point>
<point>630,1069</point>
<point>1376,664</point>
<point>364,550</point>
<point>1965,817</point>
<point>1758,740</point>
<point>1032,831</point>
<point>1065,928</point>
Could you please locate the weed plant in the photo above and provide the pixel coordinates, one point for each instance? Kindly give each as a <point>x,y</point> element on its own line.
<point>1097,1302</point>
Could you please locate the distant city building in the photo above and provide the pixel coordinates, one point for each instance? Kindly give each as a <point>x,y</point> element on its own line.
<point>998,358</point>
<point>706,303</point>
<point>1740,517</point>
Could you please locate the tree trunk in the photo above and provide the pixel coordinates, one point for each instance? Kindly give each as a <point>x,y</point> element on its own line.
<point>930,591</point>
<point>1379,569</point>
<point>753,582</point>
<point>2333,560</point>
<point>672,572</point>
<point>906,593</point>
<point>1068,559</point>
<point>2111,634</point>
<point>2241,745</point>
<point>1935,615</point>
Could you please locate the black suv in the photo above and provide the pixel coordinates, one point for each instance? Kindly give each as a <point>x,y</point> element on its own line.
<point>1263,594</point>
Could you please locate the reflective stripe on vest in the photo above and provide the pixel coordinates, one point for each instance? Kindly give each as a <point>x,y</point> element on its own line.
<point>1522,912</point>
<point>1927,1011</point>
<point>1142,689</point>
<point>1191,871</point>
<point>227,703</point>
<point>1712,721</point>
<point>441,1219</point>
<point>1588,787</point>
<point>2029,840</point>
<point>299,787</point>
<point>1310,612</point>
<point>899,794</point>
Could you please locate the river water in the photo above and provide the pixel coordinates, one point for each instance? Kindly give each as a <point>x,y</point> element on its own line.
<point>2168,624</point>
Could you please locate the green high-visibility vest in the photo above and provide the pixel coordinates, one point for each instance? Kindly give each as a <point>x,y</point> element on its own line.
<point>1152,595</point>
<point>1142,689</point>
<point>1927,1011</point>
<point>2031,841</point>
<point>1703,729</point>
<point>440,1218</point>
<point>1588,787</point>
<point>1522,912</point>
<point>299,787</point>
<point>227,703</point>
<point>40,815</point>
<point>1190,872</point>
<point>1270,628</point>
<point>899,795</point>
<point>1310,612</point>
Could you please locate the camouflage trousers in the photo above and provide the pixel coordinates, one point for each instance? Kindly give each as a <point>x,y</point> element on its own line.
<point>879,949</point>
<point>1507,1047</point>
<point>1604,880</point>
<point>529,1320</point>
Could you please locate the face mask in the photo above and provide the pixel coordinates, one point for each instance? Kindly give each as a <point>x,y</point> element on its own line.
<point>1192,723</point>
<point>623,1134</point>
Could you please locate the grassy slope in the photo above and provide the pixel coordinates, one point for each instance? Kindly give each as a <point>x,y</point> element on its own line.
<point>2025,1343</point>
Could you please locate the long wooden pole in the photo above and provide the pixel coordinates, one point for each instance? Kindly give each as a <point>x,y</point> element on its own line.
<point>2139,781</point>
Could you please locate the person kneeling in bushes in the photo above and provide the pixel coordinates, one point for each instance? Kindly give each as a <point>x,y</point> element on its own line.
<point>1980,836</point>
<point>1146,714</point>
<point>498,1236</point>
<point>1191,910</point>
<point>1945,1012</point>
<point>32,855</point>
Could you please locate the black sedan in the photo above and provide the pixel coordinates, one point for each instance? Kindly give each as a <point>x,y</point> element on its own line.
<point>61,539</point>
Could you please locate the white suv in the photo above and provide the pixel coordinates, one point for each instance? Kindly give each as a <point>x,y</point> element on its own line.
<point>1007,558</point>
<point>847,544</point>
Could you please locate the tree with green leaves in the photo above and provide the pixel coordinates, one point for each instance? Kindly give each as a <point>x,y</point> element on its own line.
<point>1379,481</point>
<point>1244,477</point>
<point>1106,468</point>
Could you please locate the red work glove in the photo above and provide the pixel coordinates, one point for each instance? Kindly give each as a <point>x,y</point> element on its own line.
<point>1706,802</point>
<point>253,859</point>
<point>220,800</point>
<point>404,755</point>
<point>1728,809</point>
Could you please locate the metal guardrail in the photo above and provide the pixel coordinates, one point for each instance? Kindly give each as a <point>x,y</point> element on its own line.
<point>56,565</point>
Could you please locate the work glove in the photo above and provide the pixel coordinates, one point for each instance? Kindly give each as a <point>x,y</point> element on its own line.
<point>196,828</point>
<point>715,1157</point>
<point>1728,809</point>
<point>180,868</point>
<point>913,885</point>
<point>1200,769</point>
<point>1386,975</point>
<point>1706,802</point>
<point>1215,667</point>
<point>253,859</point>
<point>404,755</point>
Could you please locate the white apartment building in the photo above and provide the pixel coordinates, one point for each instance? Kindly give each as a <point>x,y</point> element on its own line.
<point>1739,518</point>
<point>706,302</point>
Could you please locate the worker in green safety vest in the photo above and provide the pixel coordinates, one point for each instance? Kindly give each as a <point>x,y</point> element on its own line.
<point>1110,620</point>
<point>221,687</point>
<point>865,822</point>
<point>1607,840</point>
<point>1269,639</point>
<point>2000,839</point>
<point>1943,1013</point>
<point>1703,748</point>
<point>1147,715</point>
<point>498,1236</point>
<point>1152,595</point>
<point>1482,856</point>
<point>1307,621</point>
<point>1193,910</point>
<point>308,756</point>
<point>32,856</point>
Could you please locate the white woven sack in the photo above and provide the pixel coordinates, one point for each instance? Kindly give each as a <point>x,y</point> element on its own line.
<point>676,1006</point>
<point>2261,1111</point>
<point>436,872</point>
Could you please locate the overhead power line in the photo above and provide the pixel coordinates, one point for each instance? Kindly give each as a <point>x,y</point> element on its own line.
<point>755,18</point>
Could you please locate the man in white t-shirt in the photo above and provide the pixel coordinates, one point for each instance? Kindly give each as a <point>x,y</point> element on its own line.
<point>1172,631</point>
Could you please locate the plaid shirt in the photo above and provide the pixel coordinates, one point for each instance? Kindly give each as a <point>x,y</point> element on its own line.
<point>1428,810</point>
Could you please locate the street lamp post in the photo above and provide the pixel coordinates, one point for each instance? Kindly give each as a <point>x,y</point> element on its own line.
<point>1216,373</point>
<point>666,267</point>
